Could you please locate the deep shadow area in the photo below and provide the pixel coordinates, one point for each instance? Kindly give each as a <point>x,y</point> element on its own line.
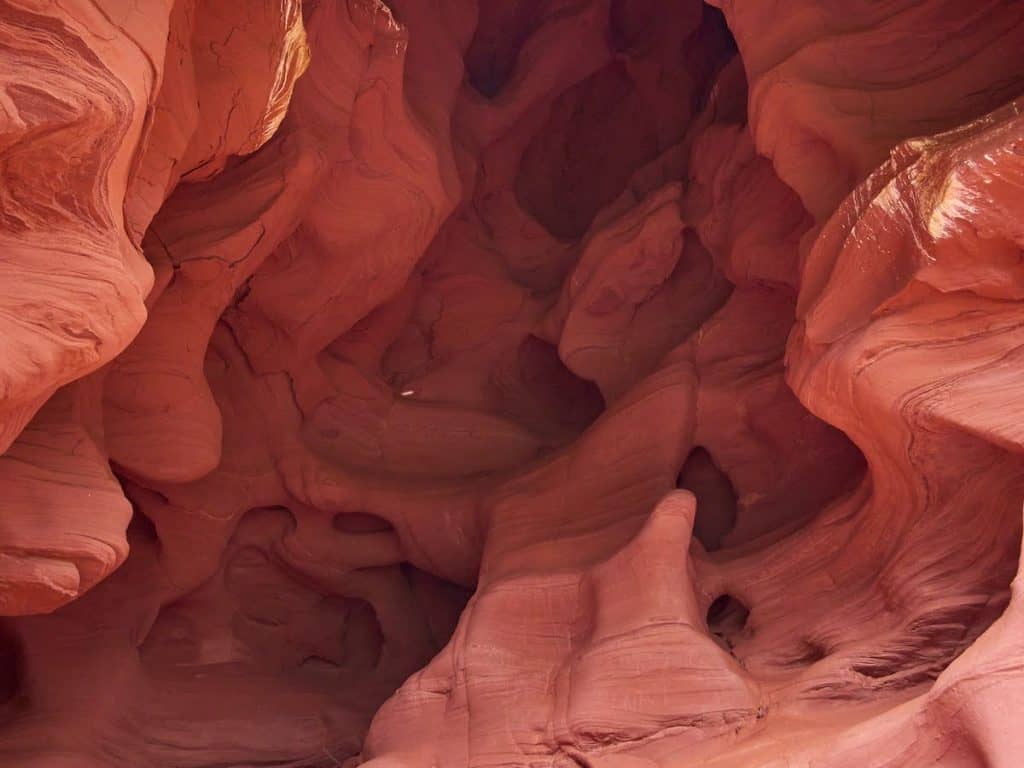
<point>726,619</point>
<point>716,498</point>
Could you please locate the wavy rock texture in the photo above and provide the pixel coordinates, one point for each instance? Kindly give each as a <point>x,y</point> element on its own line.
<point>549,383</point>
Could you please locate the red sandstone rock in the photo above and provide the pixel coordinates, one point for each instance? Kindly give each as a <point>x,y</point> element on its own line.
<point>507,383</point>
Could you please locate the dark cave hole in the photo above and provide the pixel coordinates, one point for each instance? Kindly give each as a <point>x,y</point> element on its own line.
<point>634,24</point>
<point>12,663</point>
<point>360,522</point>
<point>619,119</point>
<point>502,29</point>
<point>141,528</point>
<point>716,498</point>
<point>726,619</point>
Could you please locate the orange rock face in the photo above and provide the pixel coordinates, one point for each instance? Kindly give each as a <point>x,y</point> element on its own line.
<point>493,383</point>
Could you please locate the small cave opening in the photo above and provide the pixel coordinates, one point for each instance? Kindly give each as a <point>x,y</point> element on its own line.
<point>503,26</point>
<point>624,115</point>
<point>726,619</point>
<point>141,528</point>
<point>716,498</point>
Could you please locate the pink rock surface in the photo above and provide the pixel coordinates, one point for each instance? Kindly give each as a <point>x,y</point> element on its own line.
<point>539,383</point>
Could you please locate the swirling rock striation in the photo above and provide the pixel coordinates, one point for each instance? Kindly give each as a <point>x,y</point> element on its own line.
<point>514,383</point>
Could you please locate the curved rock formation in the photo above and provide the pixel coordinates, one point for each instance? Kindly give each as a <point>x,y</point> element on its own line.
<point>550,383</point>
